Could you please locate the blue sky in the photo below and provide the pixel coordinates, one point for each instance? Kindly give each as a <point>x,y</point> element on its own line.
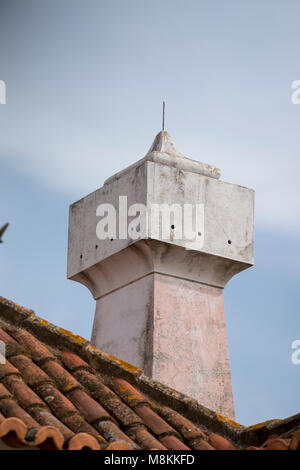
<point>85,81</point>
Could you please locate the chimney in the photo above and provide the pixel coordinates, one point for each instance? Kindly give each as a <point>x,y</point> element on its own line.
<point>156,246</point>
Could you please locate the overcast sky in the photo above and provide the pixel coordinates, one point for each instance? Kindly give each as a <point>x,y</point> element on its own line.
<point>85,82</point>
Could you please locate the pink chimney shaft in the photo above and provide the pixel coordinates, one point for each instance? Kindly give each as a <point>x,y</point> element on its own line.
<point>156,246</point>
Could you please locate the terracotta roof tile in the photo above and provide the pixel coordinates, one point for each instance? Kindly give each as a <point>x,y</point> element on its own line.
<point>47,438</point>
<point>276,444</point>
<point>295,441</point>
<point>220,443</point>
<point>64,381</point>
<point>46,418</point>
<point>10,408</point>
<point>12,347</point>
<point>154,422</point>
<point>113,433</point>
<point>15,434</point>
<point>31,372</point>
<point>87,406</point>
<point>144,439</point>
<point>75,363</point>
<point>39,352</point>
<point>79,425</point>
<point>184,426</point>
<point>172,442</point>
<point>83,441</point>
<point>7,369</point>
<point>119,445</point>
<point>59,392</point>
<point>26,397</point>
<point>128,393</point>
<point>13,431</point>
<point>99,391</point>
<point>201,444</point>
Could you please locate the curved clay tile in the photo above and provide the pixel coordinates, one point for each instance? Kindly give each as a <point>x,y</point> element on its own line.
<point>49,438</point>
<point>295,442</point>
<point>13,432</point>
<point>119,445</point>
<point>83,440</point>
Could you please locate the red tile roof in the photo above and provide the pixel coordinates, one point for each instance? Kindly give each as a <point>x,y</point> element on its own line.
<point>57,391</point>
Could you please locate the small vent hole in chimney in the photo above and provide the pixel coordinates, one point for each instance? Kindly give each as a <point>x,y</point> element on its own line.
<point>172,227</point>
<point>96,247</point>
<point>229,242</point>
<point>80,256</point>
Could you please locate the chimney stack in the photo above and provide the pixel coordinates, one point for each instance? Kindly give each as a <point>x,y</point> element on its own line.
<point>156,245</point>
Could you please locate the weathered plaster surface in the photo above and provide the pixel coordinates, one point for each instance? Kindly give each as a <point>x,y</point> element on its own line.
<point>175,331</point>
<point>190,351</point>
<point>228,214</point>
<point>123,323</point>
